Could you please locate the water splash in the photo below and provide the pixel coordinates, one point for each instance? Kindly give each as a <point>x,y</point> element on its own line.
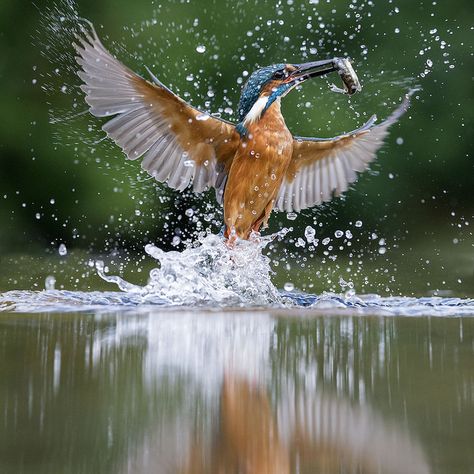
<point>211,275</point>
<point>208,273</point>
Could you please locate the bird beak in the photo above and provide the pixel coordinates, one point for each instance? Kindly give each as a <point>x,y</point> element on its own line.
<point>342,66</point>
<point>313,69</point>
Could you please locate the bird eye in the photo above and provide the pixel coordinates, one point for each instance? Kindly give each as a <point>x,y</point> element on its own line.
<point>279,74</point>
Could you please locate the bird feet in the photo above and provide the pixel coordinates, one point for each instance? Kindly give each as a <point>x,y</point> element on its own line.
<point>231,236</point>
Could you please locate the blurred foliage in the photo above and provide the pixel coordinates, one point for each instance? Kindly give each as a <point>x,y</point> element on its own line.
<point>60,182</point>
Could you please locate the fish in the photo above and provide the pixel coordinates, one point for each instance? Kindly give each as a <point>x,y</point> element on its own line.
<point>349,77</point>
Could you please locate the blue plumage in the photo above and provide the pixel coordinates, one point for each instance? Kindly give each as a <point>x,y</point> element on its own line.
<point>280,90</point>
<point>253,86</point>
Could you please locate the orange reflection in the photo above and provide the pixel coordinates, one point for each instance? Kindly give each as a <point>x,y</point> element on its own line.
<point>247,441</point>
<point>316,434</point>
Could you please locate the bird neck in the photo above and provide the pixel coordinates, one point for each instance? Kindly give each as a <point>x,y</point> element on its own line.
<point>264,109</point>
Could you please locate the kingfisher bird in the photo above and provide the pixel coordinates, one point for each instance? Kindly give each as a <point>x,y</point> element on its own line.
<point>256,165</point>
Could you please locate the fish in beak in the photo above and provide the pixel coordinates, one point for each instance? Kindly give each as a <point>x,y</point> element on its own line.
<point>342,66</point>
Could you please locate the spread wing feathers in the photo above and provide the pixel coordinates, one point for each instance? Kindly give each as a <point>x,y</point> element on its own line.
<point>178,144</point>
<point>323,167</point>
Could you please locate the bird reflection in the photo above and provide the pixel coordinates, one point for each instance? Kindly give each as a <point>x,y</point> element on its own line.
<point>179,393</point>
<point>247,439</point>
<point>235,400</point>
<point>315,434</point>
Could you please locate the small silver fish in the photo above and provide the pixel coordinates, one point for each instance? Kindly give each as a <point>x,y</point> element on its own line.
<point>348,76</point>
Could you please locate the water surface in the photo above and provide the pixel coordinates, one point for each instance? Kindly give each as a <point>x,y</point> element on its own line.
<point>173,391</point>
<point>210,368</point>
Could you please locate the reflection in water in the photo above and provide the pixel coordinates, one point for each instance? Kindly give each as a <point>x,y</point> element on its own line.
<point>311,433</point>
<point>176,392</point>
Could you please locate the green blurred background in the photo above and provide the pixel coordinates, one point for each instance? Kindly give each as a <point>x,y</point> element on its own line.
<point>61,183</point>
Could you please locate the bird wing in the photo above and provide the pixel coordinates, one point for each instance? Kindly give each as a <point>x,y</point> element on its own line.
<point>177,143</point>
<point>323,167</point>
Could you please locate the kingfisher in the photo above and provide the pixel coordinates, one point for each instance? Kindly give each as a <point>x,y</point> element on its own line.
<point>255,165</point>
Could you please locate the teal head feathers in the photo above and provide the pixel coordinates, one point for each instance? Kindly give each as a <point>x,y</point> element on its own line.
<point>268,84</point>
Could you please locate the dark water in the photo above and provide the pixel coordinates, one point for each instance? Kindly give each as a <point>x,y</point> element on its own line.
<point>265,391</point>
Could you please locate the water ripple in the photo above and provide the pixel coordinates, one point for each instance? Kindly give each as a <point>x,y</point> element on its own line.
<point>326,303</point>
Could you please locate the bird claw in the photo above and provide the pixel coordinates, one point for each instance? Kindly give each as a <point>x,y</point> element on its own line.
<point>231,238</point>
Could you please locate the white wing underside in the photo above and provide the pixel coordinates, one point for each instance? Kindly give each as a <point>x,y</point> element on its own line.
<point>332,174</point>
<point>162,156</point>
<point>138,127</point>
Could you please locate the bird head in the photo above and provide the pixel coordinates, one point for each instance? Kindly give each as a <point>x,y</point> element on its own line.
<point>266,85</point>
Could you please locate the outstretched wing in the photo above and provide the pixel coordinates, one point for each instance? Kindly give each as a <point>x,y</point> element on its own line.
<point>323,167</point>
<point>177,143</point>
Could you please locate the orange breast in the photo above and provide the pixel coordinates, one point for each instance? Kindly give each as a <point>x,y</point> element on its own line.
<point>257,171</point>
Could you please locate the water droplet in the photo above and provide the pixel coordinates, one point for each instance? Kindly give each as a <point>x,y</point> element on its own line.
<point>201,48</point>
<point>62,250</point>
<point>338,234</point>
<point>358,224</point>
<point>176,241</point>
<point>49,282</point>
<point>202,117</point>
<point>399,141</point>
<point>300,243</point>
<point>382,250</point>
<point>343,283</point>
<point>189,212</point>
<point>309,233</point>
<point>291,216</point>
<point>349,293</point>
<point>288,286</point>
